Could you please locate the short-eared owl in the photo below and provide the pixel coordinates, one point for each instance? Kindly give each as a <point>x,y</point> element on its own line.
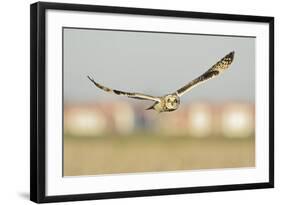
<point>171,101</point>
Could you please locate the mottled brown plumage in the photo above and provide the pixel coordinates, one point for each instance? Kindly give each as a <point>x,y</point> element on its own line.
<point>171,102</point>
<point>215,70</point>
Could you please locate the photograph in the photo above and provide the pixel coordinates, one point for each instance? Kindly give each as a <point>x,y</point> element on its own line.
<point>151,102</point>
<point>134,102</point>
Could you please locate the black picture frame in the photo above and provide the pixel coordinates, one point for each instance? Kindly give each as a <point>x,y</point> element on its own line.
<point>38,101</point>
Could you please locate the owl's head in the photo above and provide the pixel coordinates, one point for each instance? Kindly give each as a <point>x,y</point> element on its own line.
<point>172,101</point>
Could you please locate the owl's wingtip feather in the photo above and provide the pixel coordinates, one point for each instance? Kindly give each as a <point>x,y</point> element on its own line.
<point>231,55</point>
<point>91,79</point>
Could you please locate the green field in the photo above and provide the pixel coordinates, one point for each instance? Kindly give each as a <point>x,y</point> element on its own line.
<point>131,154</point>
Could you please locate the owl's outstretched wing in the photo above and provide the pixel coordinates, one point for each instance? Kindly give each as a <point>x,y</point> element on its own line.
<point>214,71</point>
<point>139,96</point>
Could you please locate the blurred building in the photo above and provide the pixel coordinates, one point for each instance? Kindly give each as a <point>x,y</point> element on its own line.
<point>198,119</point>
<point>237,120</point>
<point>201,120</point>
<point>90,120</point>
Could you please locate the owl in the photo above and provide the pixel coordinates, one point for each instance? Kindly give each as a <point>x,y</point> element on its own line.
<point>171,102</point>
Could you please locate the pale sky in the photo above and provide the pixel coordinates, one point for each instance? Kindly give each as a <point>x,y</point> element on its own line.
<point>155,64</point>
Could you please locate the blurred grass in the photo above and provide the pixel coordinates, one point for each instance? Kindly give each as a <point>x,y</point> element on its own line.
<point>131,154</point>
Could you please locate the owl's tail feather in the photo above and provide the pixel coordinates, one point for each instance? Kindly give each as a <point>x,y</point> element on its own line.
<point>150,108</point>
